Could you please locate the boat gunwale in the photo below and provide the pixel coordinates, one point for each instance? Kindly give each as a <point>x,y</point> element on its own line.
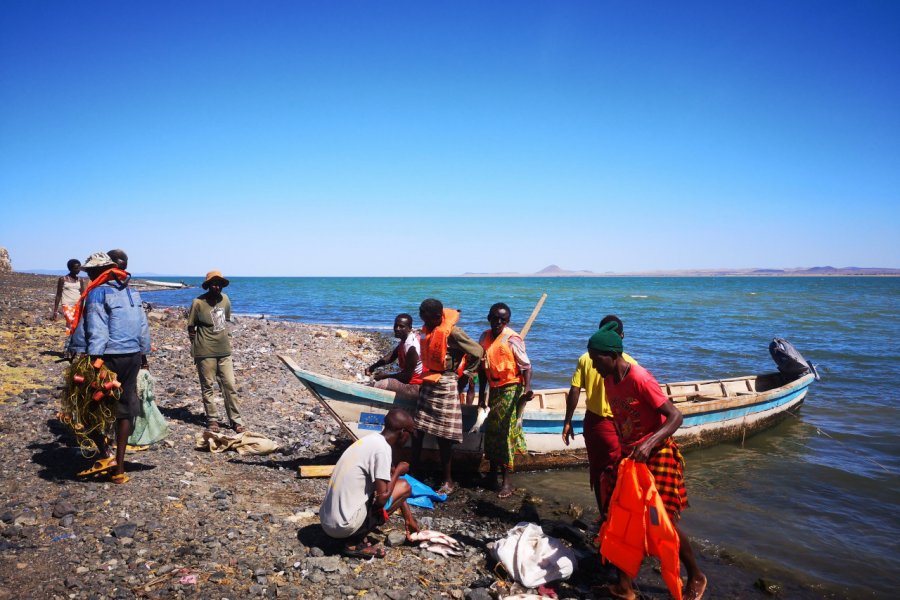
<point>384,398</point>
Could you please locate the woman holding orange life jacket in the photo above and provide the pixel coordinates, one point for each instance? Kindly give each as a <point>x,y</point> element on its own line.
<point>507,370</point>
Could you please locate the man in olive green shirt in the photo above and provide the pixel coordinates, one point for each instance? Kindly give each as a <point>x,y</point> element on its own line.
<point>211,348</point>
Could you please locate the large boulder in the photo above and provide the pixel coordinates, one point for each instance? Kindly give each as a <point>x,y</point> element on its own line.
<point>5,263</point>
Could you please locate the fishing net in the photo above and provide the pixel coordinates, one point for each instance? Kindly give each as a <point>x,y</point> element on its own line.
<point>149,426</point>
<point>89,401</point>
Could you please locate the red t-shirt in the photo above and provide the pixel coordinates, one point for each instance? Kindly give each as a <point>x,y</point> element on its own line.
<point>635,403</point>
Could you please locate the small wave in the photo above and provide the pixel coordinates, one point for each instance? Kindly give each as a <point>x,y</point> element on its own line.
<point>638,296</point>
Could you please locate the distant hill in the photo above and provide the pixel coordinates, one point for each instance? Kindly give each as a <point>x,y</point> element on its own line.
<point>64,271</point>
<point>557,271</point>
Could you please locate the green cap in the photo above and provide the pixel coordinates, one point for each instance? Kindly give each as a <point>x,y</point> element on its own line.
<point>607,339</point>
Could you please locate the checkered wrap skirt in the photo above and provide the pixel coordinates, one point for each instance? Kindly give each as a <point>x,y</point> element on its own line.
<point>438,411</point>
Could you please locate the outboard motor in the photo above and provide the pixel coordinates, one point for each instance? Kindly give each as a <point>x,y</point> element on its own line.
<point>790,362</point>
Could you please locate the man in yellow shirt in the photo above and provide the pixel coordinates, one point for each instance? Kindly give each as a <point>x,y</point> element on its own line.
<point>600,437</point>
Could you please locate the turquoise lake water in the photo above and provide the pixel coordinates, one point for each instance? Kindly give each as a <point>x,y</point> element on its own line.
<point>815,498</point>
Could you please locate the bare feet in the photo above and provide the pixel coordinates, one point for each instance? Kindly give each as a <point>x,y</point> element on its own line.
<point>695,588</point>
<point>506,491</point>
<point>617,591</point>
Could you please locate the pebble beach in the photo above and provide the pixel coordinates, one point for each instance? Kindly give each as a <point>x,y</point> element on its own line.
<point>191,524</point>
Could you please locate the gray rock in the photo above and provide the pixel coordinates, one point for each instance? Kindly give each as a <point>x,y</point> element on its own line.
<point>126,530</point>
<point>316,551</point>
<point>394,539</point>
<point>328,564</point>
<point>317,577</point>
<point>363,584</point>
<point>67,521</point>
<point>478,594</point>
<point>62,509</point>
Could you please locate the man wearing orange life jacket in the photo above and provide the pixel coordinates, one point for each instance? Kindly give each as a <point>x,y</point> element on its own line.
<point>645,420</point>
<point>507,370</point>
<point>405,382</point>
<point>438,412</point>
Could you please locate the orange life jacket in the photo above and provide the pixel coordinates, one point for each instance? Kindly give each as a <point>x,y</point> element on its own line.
<point>434,346</point>
<point>114,273</point>
<point>638,525</point>
<point>499,360</point>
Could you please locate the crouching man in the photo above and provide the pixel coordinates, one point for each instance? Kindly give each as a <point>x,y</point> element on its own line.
<point>365,488</point>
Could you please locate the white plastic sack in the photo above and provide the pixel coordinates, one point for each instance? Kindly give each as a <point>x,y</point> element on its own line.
<point>533,558</point>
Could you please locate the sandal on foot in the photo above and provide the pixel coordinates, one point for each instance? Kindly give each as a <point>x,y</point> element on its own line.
<point>363,550</point>
<point>213,426</point>
<point>120,478</point>
<point>102,465</point>
<point>504,495</point>
<point>238,428</point>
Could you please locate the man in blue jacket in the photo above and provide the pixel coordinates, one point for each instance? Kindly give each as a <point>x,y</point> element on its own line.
<point>114,327</point>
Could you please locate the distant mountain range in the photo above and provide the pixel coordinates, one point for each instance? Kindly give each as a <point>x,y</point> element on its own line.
<point>556,271</point>
<point>63,272</point>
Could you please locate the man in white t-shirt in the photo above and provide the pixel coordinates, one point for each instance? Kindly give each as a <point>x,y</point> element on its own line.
<point>405,382</point>
<point>364,488</point>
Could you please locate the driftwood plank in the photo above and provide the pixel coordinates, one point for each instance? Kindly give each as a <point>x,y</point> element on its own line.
<point>316,470</point>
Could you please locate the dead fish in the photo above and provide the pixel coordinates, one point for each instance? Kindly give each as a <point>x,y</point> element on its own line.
<point>482,417</point>
<point>439,548</point>
<point>427,535</point>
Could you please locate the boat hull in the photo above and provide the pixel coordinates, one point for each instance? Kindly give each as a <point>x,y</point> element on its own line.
<point>707,420</point>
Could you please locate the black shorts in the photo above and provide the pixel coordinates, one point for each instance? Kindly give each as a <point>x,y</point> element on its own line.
<point>126,367</point>
<point>375,518</point>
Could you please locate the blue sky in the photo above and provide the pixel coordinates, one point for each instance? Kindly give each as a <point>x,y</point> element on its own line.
<point>394,138</point>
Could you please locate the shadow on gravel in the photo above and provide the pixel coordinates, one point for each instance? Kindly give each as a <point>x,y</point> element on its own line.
<point>61,459</point>
<point>291,464</point>
<point>60,356</point>
<point>61,463</point>
<point>495,512</point>
<point>183,414</point>
<point>312,536</point>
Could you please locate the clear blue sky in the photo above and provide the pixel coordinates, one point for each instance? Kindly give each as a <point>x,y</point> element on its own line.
<point>420,138</point>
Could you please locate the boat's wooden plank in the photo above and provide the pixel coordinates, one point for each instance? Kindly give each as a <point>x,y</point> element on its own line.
<point>293,366</point>
<point>316,470</point>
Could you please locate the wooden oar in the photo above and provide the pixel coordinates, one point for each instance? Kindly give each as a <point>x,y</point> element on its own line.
<point>520,408</point>
<point>533,316</point>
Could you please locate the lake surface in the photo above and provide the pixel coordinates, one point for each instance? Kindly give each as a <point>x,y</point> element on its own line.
<point>814,499</point>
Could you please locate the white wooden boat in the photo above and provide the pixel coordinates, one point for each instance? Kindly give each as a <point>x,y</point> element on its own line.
<point>151,285</point>
<point>715,411</point>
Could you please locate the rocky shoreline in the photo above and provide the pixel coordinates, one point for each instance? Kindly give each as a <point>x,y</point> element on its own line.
<point>192,524</point>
